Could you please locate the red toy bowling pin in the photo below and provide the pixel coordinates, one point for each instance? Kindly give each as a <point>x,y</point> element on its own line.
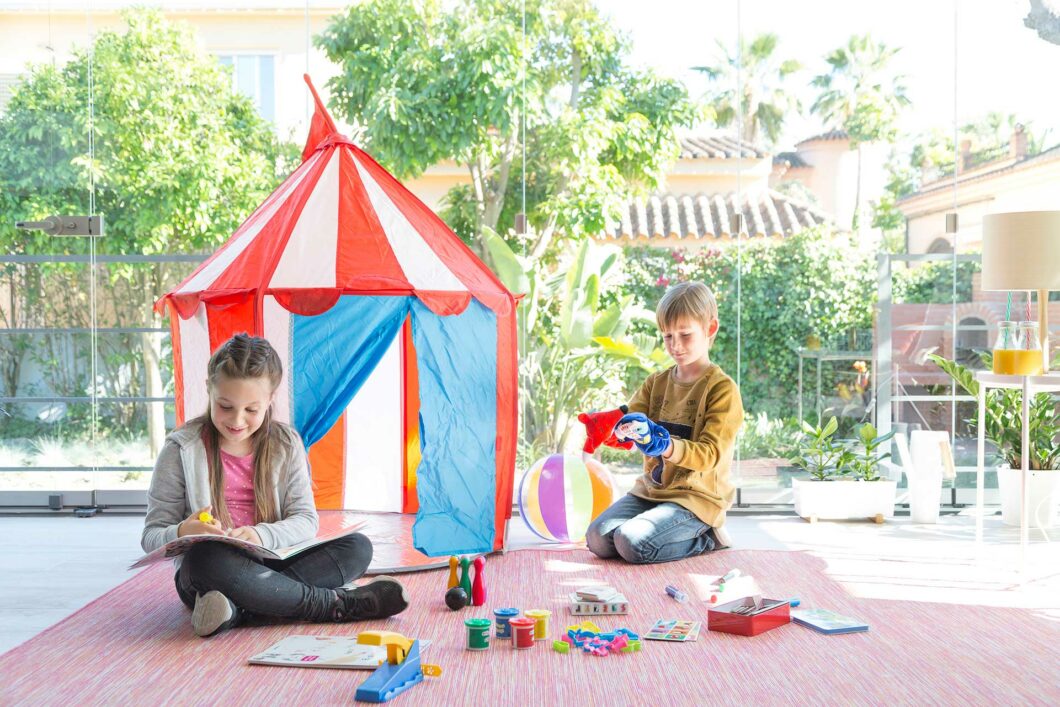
<point>478,591</point>
<point>453,580</point>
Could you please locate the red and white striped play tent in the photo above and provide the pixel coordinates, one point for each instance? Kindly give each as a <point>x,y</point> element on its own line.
<point>398,343</point>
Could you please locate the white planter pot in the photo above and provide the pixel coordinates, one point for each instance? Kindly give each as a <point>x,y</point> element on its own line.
<point>840,500</point>
<point>1044,496</point>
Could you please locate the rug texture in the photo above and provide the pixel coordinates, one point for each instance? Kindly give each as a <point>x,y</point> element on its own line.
<point>134,645</point>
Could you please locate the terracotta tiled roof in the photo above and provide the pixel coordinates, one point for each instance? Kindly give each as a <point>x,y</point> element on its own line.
<point>830,135</point>
<point>792,159</point>
<point>1048,155</point>
<point>702,216</point>
<point>717,147</point>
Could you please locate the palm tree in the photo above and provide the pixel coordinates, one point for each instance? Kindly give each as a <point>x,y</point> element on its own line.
<point>861,95</point>
<point>764,102</point>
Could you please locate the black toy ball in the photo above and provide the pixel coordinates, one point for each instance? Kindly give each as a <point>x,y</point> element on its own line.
<point>456,598</point>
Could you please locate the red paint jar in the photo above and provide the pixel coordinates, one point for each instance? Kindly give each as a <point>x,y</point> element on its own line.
<point>522,632</point>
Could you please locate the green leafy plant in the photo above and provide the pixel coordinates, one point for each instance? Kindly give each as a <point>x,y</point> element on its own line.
<point>178,160</point>
<point>821,455</point>
<point>1002,423</point>
<point>826,458</point>
<point>865,463</point>
<point>574,347</point>
<point>764,437</point>
<point>815,282</point>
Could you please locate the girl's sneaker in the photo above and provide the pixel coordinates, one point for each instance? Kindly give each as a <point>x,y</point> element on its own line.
<point>213,613</point>
<point>378,599</point>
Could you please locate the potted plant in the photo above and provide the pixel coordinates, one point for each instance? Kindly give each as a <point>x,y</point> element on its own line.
<point>844,479</point>
<point>1003,428</point>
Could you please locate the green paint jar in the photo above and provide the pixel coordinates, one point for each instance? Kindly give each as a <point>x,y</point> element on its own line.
<point>478,634</point>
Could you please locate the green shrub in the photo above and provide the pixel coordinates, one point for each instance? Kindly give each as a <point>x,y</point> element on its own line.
<point>813,284</point>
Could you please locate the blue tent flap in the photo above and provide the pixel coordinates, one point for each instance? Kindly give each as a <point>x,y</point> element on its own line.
<point>456,479</point>
<point>334,353</point>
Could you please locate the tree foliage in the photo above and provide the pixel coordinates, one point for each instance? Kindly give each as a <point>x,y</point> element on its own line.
<point>178,161</point>
<point>862,95</point>
<point>431,82</point>
<point>765,102</point>
<point>816,283</point>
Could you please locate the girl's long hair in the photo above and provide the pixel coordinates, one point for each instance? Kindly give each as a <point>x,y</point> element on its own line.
<point>243,357</point>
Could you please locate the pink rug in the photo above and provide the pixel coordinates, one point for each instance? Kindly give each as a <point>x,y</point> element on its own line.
<point>134,645</point>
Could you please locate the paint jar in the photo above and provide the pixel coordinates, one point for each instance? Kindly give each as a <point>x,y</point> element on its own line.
<point>522,632</point>
<point>502,617</point>
<point>478,634</point>
<point>540,617</point>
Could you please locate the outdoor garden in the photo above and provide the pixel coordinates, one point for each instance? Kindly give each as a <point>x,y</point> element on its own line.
<point>553,147</point>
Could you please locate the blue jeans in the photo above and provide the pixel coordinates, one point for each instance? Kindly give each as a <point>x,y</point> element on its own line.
<point>298,588</point>
<point>642,532</point>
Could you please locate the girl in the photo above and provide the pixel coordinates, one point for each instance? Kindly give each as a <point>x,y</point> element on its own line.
<point>250,473</point>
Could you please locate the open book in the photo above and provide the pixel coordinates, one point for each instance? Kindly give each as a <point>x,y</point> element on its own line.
<point>332,525</point>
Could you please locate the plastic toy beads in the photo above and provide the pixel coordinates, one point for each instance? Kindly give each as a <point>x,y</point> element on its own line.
<point>600,643</point>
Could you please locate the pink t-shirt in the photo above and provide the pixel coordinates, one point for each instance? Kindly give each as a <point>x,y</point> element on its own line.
<point>239,488</point>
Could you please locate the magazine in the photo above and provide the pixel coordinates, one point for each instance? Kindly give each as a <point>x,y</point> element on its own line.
<point>827,621</point>
<point>323,652</point>
<point>673,630</point>
<point>332,525</point>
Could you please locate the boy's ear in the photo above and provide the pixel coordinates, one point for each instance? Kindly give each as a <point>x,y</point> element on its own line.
<point>712,328</point>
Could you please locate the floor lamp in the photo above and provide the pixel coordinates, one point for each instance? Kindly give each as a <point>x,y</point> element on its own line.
<point>1021,251</point>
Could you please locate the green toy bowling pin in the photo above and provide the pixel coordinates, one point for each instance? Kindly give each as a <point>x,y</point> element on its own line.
<point>465,576</point>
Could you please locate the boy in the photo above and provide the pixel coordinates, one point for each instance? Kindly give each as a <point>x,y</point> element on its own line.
<point>684,420</point>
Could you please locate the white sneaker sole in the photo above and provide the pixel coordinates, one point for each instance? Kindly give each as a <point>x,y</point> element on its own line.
<point>211,611</point>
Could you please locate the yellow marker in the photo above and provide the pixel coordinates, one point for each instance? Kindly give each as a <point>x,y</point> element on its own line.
<point>205,517</point>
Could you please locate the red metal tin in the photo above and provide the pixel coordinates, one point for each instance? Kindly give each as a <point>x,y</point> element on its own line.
<point>722,618</point>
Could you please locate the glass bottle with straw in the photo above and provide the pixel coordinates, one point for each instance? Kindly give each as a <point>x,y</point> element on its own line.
<point>1007,349</point>
<point>1007,345</point>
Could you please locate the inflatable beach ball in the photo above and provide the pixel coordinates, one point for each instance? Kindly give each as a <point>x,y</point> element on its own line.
<point>560,495</point>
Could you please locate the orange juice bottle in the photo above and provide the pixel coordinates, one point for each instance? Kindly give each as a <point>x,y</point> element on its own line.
<point>1006,348</point>
<point>1018,362</point>
<point>1030,361</point>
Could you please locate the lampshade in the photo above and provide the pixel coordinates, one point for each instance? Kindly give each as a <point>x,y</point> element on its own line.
<point>1021,251</point>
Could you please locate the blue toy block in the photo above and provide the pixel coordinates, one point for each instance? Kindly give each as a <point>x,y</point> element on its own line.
<point>389,681</point>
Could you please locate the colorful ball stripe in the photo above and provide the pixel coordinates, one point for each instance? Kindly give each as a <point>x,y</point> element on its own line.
<point>560,495</point>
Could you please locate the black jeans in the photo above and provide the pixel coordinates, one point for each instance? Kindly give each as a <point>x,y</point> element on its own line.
<point>297,588</point>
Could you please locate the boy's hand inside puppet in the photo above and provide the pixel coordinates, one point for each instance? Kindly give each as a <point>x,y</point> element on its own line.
<point>651,438</point>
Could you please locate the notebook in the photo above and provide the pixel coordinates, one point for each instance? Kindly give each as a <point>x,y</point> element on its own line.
<point>827,621</point>
<point>323,652</point>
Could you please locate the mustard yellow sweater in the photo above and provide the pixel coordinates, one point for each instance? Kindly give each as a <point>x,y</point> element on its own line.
<point>703,418</point>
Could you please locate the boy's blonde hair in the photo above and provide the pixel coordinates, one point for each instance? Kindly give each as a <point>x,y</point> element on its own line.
<point>691,301</point>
